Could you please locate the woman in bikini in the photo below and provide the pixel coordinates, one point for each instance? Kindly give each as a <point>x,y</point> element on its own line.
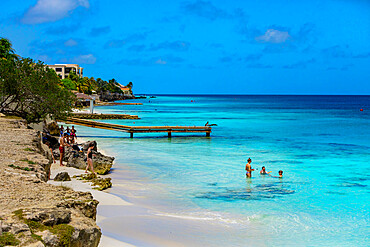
<point>249,169</point>
<point>89,158</point>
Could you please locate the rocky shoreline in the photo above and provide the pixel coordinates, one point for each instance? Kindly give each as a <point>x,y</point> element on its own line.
<point>33,212</point>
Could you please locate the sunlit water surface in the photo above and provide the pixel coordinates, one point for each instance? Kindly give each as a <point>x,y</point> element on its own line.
<point>322,143</point>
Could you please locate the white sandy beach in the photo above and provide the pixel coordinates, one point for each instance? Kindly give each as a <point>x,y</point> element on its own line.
<point>105,199</point>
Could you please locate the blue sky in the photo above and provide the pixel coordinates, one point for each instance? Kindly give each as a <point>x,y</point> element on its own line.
<point>201,47</point>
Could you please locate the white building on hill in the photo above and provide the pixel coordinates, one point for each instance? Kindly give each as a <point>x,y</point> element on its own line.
<point>63,70</point>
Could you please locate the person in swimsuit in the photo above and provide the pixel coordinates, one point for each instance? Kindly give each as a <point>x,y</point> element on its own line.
<point>63,143</point>
<point>72,139</point>
<point>263,171</point>
<point>280,174</point>
<point>61,130</point>
<point>89,158</point>
<point>68,131</point>
<point>249,169</point>
<point>73,132</point>
<point>52,155</point>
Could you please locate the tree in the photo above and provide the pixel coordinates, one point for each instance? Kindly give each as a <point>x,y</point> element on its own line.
<point>130,85</point>
<point>68,84</point>
<point>32,91</point>
<point>85,85</point>
<point>6,50</point>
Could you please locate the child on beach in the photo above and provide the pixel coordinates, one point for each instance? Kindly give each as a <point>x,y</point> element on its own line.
<point>89,158</point>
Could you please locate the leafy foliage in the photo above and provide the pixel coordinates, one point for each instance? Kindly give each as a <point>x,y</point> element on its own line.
<point>67,83</point>
<point>7,239</point>
<point>6,50</point>
<point>88,85</point>
<point>30,90</point>
<point>63,231</point>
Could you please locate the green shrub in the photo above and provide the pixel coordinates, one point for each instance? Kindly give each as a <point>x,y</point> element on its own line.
<point>62,231</point>
<point>8,238</point>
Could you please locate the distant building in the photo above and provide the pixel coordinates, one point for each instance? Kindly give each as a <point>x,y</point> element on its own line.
<point>63,70</point>
<point>126,91</point>
<point>83,99</point>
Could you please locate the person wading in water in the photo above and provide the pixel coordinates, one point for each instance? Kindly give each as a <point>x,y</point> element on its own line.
<point>249,169</point>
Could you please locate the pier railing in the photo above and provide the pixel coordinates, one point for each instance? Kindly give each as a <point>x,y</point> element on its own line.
<point>141,129</point>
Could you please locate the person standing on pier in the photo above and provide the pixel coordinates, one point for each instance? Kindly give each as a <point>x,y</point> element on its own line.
<point>248,168</point>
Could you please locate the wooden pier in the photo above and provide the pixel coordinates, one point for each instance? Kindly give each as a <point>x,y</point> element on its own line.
<point>103,116</point>
<point>115,103</point>
<point>142,129</point>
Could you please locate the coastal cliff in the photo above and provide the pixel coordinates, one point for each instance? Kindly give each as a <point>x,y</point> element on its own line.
<point>32,212</point>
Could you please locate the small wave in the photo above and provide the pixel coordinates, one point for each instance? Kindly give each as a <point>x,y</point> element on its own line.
<point>207,216</point>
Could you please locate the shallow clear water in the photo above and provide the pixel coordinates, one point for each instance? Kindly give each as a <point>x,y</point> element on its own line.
<point>322,143</point>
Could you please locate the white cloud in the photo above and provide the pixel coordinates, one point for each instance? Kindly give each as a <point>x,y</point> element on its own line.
<point>51,10</point>
<point>160,61</point>
<point>70,42</point>
<point>273,36</point>
<point>87,59</point>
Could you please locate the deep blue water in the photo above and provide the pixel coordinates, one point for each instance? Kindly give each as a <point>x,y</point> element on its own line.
<point>322,143</point>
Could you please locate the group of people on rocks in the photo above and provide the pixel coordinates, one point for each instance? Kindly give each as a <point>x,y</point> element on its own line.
<point>249,170</point>
<point>68,138</point>
<point>70,134</point>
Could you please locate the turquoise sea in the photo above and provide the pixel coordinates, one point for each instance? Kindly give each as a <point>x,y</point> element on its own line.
<point>322,143</point>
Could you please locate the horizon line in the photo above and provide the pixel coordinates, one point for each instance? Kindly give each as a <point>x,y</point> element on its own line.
<point>197,94</point>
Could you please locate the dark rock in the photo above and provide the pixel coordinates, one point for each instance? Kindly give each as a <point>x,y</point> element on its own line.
<point>62,176</point>
<point>86,145</point>
<point>84,236</point>
<point>108,96</point>
<point>48,217</point>
<point>102,163</point>
<point>99,182</point>
<point>53,128</point>
<point>18,228</point>
<point>87,206</point>
<point>52,141</point>
<point>49,238</point>
<point>102,183</point>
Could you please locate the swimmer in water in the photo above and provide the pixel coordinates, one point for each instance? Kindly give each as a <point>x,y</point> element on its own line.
<point>280,174</point>
<point>249,169</point>
<point>263,171</point>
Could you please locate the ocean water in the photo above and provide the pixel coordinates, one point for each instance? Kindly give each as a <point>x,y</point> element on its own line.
<point>322,143</point>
